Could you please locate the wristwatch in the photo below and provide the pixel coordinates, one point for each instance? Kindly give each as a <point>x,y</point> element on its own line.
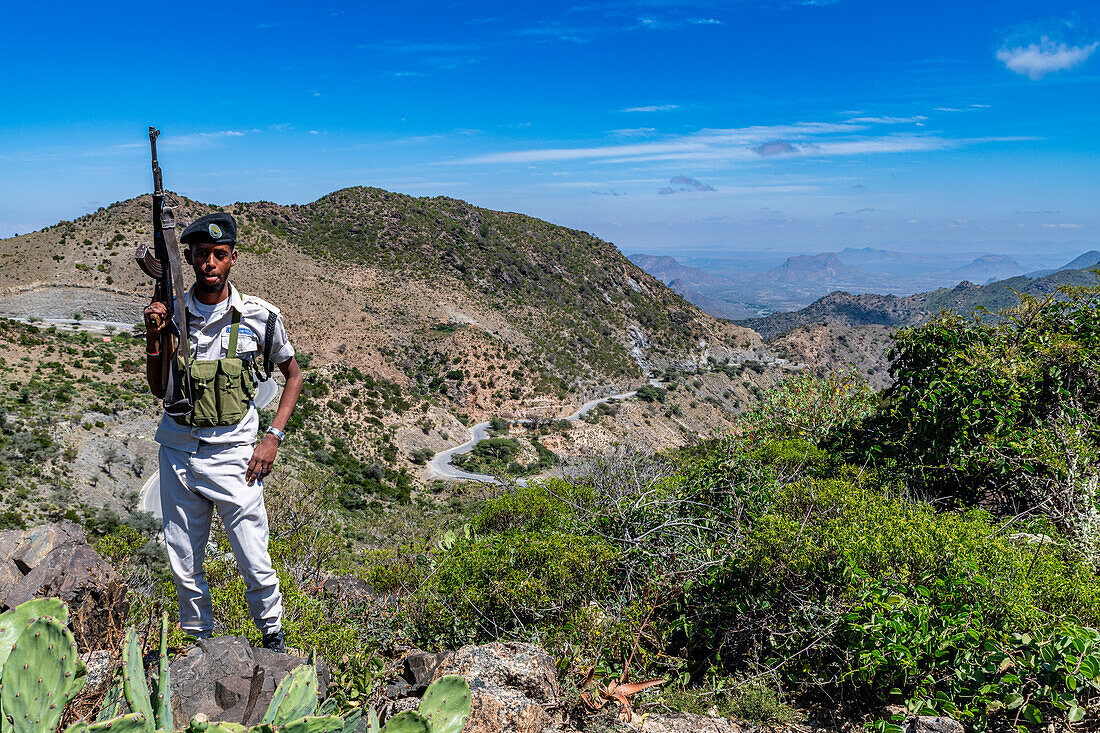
<point>277,433</point>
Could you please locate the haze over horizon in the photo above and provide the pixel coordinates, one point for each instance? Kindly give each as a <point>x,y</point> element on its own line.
<point>667,126</point>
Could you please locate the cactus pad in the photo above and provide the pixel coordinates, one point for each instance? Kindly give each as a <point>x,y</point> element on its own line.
<point>113,703</point>
<point>407,722</point>
<point>133,679</point>
<point>162,700</point>
<point>372,722</point>
<point>295,697</point>
<point>40,676</point>
<point>14,621</point>
<point>314,724</point>
<point>223,727</point>
<point>351,720</point>
<point>79,726</point>
<point>129,723</point>
<point>446,704</point>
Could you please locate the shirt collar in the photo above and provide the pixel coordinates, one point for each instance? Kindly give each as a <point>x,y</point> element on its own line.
<point>235,300</point>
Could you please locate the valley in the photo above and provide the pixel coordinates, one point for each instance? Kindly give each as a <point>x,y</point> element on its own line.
<point>416,322</point>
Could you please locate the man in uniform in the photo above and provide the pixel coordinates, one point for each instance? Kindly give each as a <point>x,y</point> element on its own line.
<point>211,460</point>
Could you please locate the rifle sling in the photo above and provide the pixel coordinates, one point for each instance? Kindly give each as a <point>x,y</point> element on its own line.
<point>182,399</point>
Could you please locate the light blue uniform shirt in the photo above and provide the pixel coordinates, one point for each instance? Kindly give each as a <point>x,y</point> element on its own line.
<point>209,340</point>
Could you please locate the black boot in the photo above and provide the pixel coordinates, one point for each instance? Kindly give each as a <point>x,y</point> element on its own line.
<point>275,641</point>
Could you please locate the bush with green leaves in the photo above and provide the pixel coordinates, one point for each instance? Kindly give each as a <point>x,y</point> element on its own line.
<point>812,408</point>
<point>517,581</point>
<point>999,409</point>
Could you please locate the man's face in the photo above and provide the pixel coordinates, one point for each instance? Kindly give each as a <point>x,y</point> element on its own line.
<point>212,263</point>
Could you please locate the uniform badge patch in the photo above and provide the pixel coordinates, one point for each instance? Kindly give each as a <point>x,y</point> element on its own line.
<point>215,231</point>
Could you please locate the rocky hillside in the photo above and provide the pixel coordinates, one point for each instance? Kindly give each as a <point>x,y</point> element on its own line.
<point>892,310</point>
<point>421,316</point>
<point>843,328</point>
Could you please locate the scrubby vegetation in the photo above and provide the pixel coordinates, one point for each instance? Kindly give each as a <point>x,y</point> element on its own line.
<point>932,547</point>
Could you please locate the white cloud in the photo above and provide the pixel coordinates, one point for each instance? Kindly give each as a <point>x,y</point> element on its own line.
<point>1036,60</point>
<point>803,139</point>
<point>1061,226</point>
<point>634,132</point>
<point>887,120</point>
<point>651,108</point>
<point>199,139</point>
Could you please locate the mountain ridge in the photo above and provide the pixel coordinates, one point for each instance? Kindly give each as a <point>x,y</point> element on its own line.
<point>469,312</point>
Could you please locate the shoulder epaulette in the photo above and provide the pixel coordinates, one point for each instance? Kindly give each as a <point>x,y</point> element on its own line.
<point>254,300</point>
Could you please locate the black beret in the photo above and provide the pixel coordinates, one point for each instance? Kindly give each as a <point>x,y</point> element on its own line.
<point>217,228</point>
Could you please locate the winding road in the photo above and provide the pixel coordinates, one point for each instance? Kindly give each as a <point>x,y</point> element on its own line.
<point>440,466</point>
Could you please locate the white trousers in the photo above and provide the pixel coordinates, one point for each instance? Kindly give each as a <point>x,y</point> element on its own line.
<point>191,486</point>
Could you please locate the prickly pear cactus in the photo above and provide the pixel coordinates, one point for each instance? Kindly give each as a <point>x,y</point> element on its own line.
<point>113,704</point>
<point>14,621</point>
<point>446,704</point>
<point>295,697</point>
<point>224,727</point>
<point>351,720</point>
<point>407,722</point>
<point>129,723</point>
<point>133,679</point>
<point>314,724</point>
<point>198,724</point>
<point>40,676</point>
<point>372,722</point>
<point>162,702</point>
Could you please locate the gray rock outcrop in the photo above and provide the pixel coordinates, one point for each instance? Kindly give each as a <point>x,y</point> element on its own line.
<point>514,687</point>
<point>56,560</point>
<point>227,680</point>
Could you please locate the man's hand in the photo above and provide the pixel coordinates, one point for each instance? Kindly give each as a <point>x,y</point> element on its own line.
<point>156,317</point>
<point>262,458</point>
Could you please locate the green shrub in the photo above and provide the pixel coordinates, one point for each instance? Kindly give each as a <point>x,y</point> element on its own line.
<point>490,584</point>
<point>539,507</point>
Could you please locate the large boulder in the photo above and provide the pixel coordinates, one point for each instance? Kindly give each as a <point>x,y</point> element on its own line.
<point>56,560</point>
<point>229,681</point>
<point>514,687</point>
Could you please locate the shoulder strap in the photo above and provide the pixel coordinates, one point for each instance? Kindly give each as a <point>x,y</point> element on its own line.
<point>231,349</point>
<point>269,336</point>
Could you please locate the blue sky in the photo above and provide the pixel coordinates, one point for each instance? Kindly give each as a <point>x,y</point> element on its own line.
<point>663,126</point>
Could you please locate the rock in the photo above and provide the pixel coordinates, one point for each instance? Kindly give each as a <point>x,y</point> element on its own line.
<point>418,668</point>
<point>9,576</point>
<point>39,542</point>
<point>81,578</point>
<point>397,689</point>
<point>56,560</point>
<point>514,685</point>
<point>933,724</point>
<point>227,680</point>
<point>9,542</point>
<point>353,590</point>
<point>682,723</point>
<point>100,668</point>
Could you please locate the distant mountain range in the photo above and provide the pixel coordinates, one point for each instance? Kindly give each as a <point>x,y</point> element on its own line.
<point>911,310</point>
<point>1082,262</point>
<point>802,279</point>
<point>843,328</point>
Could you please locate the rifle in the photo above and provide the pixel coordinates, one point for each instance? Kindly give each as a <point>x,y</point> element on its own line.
<point>168,289</point>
